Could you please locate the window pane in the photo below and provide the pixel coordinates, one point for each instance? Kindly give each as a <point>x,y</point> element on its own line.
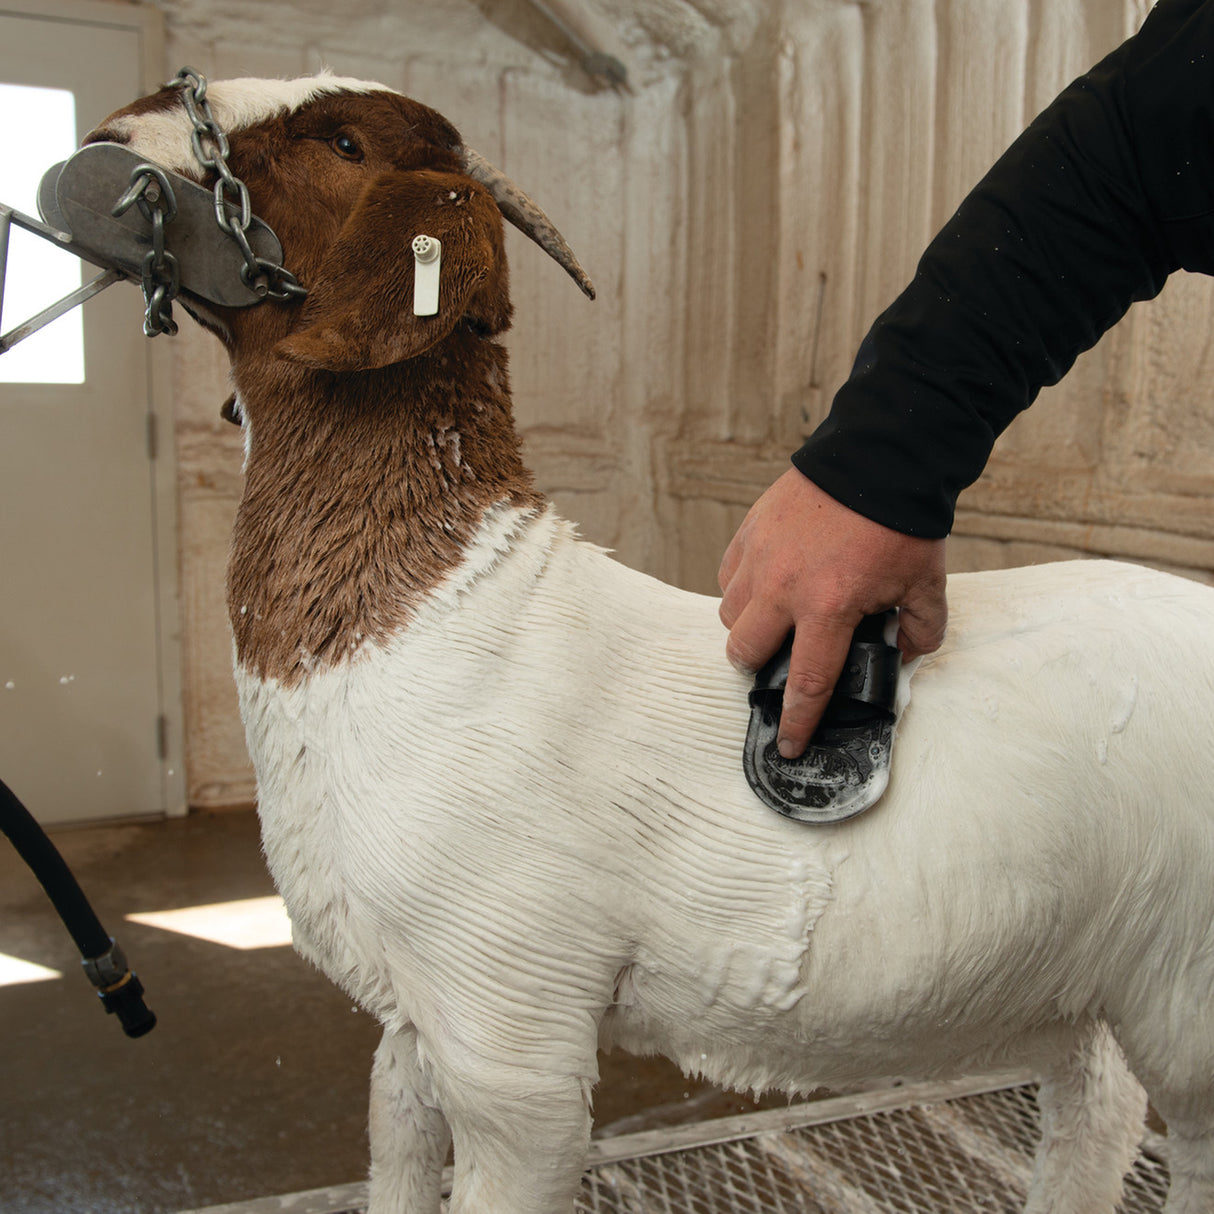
<point>40,130</point>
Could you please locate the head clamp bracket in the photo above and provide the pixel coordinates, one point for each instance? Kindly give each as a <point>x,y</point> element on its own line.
<point>140,220</point>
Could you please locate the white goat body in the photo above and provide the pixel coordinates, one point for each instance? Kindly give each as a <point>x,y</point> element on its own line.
<point>520,830</point>
<point>512,822</point>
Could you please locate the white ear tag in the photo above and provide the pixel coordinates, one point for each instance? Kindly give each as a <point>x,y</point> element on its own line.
<point>427,257</point>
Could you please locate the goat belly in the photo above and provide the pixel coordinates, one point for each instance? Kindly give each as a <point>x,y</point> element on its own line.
<point>521,825</point>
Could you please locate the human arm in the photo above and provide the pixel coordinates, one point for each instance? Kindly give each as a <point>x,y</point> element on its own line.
<point>1106,193</point>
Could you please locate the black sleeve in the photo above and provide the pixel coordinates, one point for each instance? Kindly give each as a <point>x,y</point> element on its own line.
<point>1107,192</point>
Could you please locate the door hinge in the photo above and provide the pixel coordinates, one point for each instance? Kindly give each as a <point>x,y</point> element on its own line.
<point>153,437</point>
<point>162,737</point>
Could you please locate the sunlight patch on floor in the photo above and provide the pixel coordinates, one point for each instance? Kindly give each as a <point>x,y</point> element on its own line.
<point>247,923</point>
<point>14,971</point>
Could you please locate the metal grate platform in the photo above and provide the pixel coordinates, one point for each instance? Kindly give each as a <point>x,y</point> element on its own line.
<point>930,1149</point>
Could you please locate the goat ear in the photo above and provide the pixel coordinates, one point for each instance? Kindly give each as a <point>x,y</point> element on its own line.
<point>359,310</point>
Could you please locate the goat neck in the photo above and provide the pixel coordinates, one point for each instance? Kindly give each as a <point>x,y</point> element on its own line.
<point>362,491</point>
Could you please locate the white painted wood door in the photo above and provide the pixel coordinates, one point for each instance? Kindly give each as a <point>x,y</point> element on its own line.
<point>89,702</point>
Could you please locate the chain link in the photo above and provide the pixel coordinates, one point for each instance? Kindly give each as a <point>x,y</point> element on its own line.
<point>160,273</point>
<point>151,190</point>
<point>263,277</point>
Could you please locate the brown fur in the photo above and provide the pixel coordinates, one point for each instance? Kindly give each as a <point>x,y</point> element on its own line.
<point>365,283</point>
<point>378,439</point>
<point>355,505</point>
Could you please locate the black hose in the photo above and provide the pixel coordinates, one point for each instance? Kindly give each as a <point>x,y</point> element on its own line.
<point>120,990</point>
<point>48,866</point>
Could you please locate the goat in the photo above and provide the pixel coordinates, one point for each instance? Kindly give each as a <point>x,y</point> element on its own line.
<point>499,773</point>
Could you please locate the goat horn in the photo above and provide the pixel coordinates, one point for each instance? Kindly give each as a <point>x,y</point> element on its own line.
<point>525,215</point>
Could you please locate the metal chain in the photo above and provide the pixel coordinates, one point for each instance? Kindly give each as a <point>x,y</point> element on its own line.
<point>160,272</point>
<point>264,277</point>
<point>151,190</point>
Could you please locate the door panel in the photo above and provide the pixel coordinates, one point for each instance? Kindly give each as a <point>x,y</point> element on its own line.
<point>81,712</point>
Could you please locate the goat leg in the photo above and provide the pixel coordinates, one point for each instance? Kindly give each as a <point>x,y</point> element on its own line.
<point>1092,1115</point>
<point>409,1137</point>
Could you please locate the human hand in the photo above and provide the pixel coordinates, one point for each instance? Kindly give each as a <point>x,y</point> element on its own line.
<point>802,560</point>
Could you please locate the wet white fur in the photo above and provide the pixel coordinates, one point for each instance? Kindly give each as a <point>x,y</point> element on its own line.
<point>519,830</point>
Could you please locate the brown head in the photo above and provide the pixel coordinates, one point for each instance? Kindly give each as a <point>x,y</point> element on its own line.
<point>377,438</point>
<point>347,173</point>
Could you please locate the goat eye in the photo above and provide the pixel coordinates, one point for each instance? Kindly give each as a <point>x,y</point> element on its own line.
<point>343,145</point>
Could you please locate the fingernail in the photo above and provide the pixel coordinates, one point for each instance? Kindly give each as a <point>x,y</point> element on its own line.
<point>787,748</point>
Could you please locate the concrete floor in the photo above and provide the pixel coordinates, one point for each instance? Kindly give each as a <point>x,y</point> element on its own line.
<point>254,1081</point>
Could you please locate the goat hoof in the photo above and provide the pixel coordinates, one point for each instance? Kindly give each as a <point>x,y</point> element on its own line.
<point>845,768</point>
